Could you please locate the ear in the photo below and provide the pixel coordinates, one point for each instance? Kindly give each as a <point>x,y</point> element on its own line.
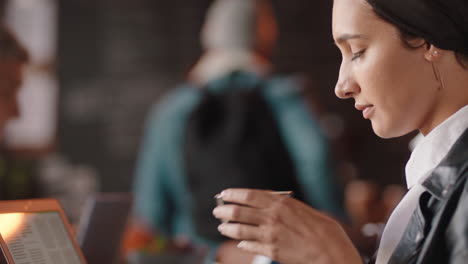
<point>432,53</point>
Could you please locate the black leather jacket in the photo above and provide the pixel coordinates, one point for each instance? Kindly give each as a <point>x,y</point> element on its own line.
<point>438,229</point>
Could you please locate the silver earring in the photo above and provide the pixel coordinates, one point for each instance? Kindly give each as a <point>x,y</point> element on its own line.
<point>438,77</point>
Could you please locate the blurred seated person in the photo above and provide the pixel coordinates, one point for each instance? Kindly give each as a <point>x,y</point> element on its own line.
<point>369,207</point>
<point>216,130</point>
<point>13,56</point>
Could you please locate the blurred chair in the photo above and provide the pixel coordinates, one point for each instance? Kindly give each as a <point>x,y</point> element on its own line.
<point>102,226</point>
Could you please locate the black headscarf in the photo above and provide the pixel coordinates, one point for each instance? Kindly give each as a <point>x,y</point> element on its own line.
<point>443,23</point>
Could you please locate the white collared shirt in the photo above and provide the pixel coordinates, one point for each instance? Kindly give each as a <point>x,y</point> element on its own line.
<point>429,152</point>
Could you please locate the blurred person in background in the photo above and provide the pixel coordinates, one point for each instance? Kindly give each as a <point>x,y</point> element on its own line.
<point>188,132</point>
<point>13,57</point>
<point>369,206</point>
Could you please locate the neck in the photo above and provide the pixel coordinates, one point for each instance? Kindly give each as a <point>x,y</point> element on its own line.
<point>453,96</point>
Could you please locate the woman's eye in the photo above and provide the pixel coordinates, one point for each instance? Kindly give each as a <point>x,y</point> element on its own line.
<point>356,55</point>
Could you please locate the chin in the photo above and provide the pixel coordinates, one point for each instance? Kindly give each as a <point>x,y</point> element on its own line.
<point>387,131</point>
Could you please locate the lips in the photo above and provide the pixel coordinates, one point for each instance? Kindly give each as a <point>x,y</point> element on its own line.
<point>367,110</point>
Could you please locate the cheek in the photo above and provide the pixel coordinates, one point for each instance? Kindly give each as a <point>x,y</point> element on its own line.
<point>393,82</point>
<point>391,76</point>
<point>407,84</point>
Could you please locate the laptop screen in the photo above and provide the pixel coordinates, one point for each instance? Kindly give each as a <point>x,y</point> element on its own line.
<point>37,237</point>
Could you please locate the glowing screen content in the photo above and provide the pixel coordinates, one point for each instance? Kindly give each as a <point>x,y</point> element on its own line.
<point>37,238</point>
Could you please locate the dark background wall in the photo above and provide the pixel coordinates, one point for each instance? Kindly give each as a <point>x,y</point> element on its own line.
<point>117,57</point>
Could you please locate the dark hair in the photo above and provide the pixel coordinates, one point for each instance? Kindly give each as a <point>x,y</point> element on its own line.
<point>232,140</point>
<point>408,38</point>
<point>10,48</point>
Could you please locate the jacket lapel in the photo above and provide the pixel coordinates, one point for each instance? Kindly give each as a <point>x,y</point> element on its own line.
<point>425,232</point>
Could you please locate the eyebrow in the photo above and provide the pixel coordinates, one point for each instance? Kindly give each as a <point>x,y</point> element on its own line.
<point>346,37</point>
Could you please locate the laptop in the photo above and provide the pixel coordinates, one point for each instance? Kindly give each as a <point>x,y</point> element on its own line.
<point>102,226</point>
<point>37,231</point>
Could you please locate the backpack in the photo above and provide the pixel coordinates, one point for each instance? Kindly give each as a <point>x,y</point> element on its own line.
<point>232,140</point>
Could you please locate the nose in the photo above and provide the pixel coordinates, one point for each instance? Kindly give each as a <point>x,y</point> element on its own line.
<point>346,87</point>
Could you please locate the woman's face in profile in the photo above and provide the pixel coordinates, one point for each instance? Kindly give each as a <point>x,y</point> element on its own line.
<point>392,85</point>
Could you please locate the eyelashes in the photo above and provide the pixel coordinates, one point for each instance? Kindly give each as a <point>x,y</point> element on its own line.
<point>357,55</point>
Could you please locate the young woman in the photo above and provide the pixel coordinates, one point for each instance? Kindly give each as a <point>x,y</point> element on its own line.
<point>405,64</point>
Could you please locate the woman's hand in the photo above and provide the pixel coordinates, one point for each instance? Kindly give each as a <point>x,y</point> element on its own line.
<point>283,229</point>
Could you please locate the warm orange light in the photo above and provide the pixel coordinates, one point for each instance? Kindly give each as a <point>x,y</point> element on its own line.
<point>10,224</point>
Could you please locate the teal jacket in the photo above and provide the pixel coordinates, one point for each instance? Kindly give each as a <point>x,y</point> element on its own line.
<point>161,193</point>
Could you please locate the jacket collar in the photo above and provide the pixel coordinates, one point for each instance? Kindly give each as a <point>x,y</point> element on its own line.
<point>446,174</point>
<point>434,147</point>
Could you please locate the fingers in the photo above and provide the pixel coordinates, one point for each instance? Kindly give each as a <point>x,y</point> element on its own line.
<point>260,248</point>
<point>266,233</point>
<point>236,213</point>
<point>240,231</point>
<point>253,198</point>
